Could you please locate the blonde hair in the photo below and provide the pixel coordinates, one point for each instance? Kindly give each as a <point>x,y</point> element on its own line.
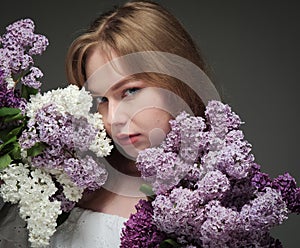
<point>135,27</point>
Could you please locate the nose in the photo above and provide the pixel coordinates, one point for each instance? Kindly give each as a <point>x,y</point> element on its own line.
<point>116,114</point>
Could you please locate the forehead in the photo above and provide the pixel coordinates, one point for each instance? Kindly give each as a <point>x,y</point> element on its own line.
<point>103,71</point>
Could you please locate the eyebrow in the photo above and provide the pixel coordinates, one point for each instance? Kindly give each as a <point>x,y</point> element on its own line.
<point>120,83</point>
<point>116,85</point>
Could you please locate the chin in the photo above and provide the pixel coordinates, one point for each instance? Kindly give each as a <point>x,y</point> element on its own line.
<point>129,152</point>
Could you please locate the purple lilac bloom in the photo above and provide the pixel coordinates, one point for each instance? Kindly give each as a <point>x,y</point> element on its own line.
<point>259,179</point>
<point>220,222</point>
<point>185,137</point>
<point>31,78</point>
<point>86,173</point>
<point>172,141</point>
<point>222,199</point>
<point>28,139</point>
<point>54,128</point>
<point>52,157</point>
<point>139,230</point>
<point>191,140</point>
<point>10,97</point>
<point>40,43</point>
<point>19,43</point>
<point>179,213</point>
<point>163,170</point>
<point>221,118</point>
<point>213,186</point>
<point>265,211</point>
<point>19,33</point>
<point>2,76</point>
<point>233,157</point>
<point>286,185</point>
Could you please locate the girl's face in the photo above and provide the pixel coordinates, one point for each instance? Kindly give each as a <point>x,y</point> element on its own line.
<point>135,114</point>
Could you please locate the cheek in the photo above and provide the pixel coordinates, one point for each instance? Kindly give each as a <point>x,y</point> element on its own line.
<point>154,121</point>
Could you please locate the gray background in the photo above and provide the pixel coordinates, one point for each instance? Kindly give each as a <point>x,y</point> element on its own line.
<point>253,49</point>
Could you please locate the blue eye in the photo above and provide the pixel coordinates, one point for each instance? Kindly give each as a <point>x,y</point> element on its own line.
<point>131,91</point>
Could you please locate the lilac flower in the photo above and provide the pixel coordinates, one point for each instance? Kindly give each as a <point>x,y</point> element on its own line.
<point>164,169</point>
<point>85,172</point>
<point>259,179</point>
<point>286,185</point>
<point>83,133</point>
<point>209,191</point>
<point>221,119</point>
<point>173,138</point>
<point>220,223</point>
<point>10,97</point>
<point>2,76</point>
<point>265,211</point>
<point>179,213</point>
<point>52,157</point>
<point>19,43</point>
<point>40,43</point>
<point>31,78</point>
<point>231,156</point>
<point>56,129</point>
<point>56,134</point>
<point>19,33</point>
<point>190,136</point>
<point>139,230</point>
<point>213,186</point>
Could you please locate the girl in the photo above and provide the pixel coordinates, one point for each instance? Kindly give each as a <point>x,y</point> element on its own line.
<point>141,67</point>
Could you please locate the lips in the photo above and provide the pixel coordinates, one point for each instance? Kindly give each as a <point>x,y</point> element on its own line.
<point>127,139</point>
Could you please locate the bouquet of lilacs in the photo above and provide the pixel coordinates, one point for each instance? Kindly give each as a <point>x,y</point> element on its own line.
<point>50,144</point>
<point>207,190</point>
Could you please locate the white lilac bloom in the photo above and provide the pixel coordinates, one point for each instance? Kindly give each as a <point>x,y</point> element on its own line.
<point>71,192</point>
<point>32,190</point>
<point>70,100</point>
<point>13,177</point>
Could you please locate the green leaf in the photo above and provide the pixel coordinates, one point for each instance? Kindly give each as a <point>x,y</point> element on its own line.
<point>9,133</point>
<point>5,132</point>
<point>16,151</point>
<point>37,149</point>
<point>27,91</point>
<point>147,190</point>
<point>169,243</point>
<point>18,116</point>
<point>9,111</point>
<point>15,131</point>
<point>11,140</point>
<point>5,161</point>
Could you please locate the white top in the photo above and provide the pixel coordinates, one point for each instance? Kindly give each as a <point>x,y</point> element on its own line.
<point>88,229</point>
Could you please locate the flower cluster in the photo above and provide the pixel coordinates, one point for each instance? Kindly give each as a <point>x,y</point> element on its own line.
<point>50,144</point>
<point>19,44</point>
<point>17,47</point>
<point>208,190</point>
